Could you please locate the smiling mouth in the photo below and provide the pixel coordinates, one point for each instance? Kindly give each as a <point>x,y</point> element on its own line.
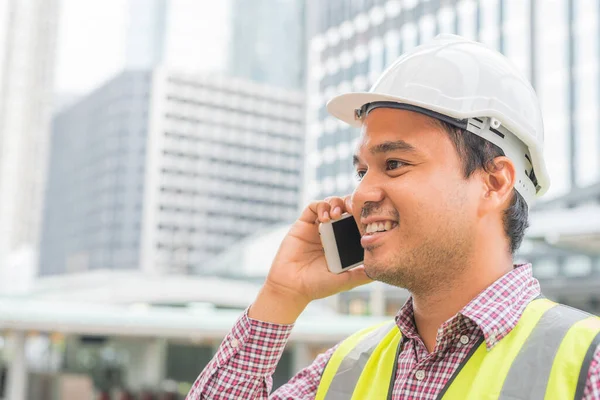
<point>379,227</point>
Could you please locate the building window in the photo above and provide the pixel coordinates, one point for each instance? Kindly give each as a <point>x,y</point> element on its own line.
<point>358,306</point>
<point>392,47</point>
<point>446,17</point>
<point>578,266</point>
<point>426,28</point>
<point>587,134</point>
<point>552,86</point>
<point>375,59</point>
<point>517,43</point>
<point>409,37</point>
<point>545,268</point>
<point>467,19</point>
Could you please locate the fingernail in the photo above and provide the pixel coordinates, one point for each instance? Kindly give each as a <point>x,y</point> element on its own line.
<point>325,215</point>
<point>337,210</point>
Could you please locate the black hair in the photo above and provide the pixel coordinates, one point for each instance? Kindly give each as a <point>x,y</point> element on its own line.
<point>477,153</point>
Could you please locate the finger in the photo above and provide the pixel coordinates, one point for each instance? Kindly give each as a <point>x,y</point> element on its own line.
<point>323,211</point>
<point>337,206</point>
<point>309,214</point>
<point>348,203</point>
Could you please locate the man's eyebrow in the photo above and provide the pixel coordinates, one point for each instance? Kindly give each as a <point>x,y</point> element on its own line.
<point>386,147</point>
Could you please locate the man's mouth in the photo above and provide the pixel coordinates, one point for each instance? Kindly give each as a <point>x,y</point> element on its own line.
<point>379,226</point>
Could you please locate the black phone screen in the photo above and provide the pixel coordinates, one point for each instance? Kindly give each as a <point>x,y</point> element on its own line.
<point>347,238</point>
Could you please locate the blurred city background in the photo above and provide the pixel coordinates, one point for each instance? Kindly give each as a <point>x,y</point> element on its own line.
<point>153,154</point>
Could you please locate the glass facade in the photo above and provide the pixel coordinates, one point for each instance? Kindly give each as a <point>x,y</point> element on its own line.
<point>161,171</point>
<point>553,43</point>
<point>258,49</point>
<point>180,34</point>
<point>94,193</point>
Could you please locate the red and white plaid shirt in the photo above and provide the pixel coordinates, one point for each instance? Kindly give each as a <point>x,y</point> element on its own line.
<point>246,359</point>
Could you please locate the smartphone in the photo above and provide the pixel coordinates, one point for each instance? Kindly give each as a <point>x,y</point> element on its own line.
<point>341,243</point>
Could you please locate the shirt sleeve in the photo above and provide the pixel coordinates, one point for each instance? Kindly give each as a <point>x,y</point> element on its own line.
<point>304,384</point>
<point>244,362</point>
<point>592,387</point>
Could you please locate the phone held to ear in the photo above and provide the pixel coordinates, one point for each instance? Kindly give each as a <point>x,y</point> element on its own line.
<point>341,243</point>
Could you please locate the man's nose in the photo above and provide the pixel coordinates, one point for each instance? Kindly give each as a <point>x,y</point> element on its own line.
<point>367,191</point>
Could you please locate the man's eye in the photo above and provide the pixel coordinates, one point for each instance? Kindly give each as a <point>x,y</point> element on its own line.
<point>393,164</point>
<point>360,174</point>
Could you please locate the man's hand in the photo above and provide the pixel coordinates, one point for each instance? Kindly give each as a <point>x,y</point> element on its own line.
<point>299,272</point>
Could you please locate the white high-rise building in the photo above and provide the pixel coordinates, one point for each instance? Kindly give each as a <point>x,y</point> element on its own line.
<point>28,30</point>
<point>159,171</point>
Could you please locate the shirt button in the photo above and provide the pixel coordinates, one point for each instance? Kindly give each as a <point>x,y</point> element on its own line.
<point>235,343</point>
<point>420,375</point>
<point>464,339</point>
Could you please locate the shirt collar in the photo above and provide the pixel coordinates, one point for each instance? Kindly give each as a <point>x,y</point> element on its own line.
<point>495,311</point>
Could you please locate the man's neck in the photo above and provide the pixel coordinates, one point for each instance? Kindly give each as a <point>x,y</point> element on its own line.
<point>437,306</point>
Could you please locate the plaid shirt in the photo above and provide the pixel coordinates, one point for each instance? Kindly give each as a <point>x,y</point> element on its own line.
<point>246,359</point>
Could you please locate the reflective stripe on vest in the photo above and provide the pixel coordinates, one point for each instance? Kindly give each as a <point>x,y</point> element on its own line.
<point>373,350</point>
<point>546,356</point>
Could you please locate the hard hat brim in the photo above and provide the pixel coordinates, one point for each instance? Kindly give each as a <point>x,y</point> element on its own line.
<point>344,107</point>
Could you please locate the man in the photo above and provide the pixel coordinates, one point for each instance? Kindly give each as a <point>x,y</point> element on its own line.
<point>451,154</point>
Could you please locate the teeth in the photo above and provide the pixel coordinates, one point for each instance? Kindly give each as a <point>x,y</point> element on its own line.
<point>379,226</point>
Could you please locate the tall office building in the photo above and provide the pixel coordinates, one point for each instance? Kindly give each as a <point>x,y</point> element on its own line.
<point>159,171</point>
<point>268,41</point>
<point>28,32</point>
<point>182,34</point>
<point>554,43</point>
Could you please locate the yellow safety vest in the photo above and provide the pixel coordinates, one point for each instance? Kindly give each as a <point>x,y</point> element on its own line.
<point>546,356</point>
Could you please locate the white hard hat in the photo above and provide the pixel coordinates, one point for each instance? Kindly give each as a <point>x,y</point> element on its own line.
<point>470,86</point>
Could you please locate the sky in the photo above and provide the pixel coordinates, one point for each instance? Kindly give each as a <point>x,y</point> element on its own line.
<point>91,43</point>
<point>92,38</point>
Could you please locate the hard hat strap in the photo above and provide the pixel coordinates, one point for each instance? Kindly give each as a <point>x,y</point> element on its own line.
<point>491,130</point>
<point>367,108</point>
<point>487,128</point>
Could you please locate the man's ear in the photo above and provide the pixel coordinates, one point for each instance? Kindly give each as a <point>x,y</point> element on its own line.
<point>498,183</point>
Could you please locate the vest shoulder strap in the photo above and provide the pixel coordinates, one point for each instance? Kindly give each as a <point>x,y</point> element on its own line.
<point>541,358</point>
<point>372,349</point>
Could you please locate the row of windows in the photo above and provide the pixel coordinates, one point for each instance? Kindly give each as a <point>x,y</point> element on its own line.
<point>574,266</point>
<point>250,196</point>
<point>207,176</point>
<point>240,104</point>
<point>166,226</point>
<point>234,87</point>
<point>247,122</point>
<point>231,189</point>
<point>246,160</point>
<point>259,211</point>
<point>233,129</point>
<point>249,143</point>
<point>224,152</point>
<point>234,172</point>
<point>175,231</point>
